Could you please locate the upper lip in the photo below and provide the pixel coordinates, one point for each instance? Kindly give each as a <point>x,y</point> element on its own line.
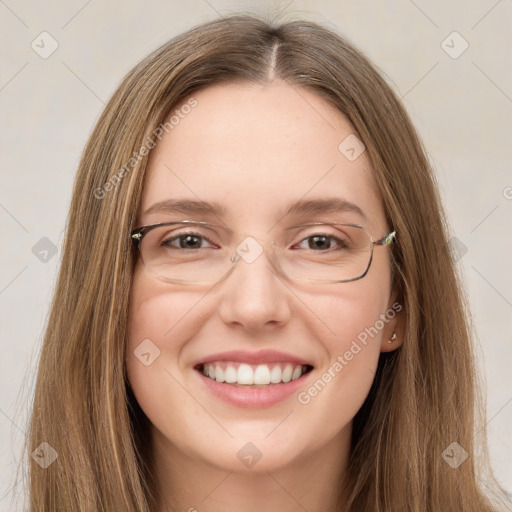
<point>259,357</point>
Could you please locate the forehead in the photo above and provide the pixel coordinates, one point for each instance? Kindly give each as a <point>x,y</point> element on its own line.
<point>255,149</point>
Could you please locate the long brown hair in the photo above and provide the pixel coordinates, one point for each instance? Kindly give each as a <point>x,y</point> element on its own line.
<point>423,398</point>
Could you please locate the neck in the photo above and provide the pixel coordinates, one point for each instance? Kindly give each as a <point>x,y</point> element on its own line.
<point>310,482</point>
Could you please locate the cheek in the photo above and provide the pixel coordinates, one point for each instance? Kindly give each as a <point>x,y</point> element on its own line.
<point>159,315</point>
<point>355,316</point>
<point>351,353</point>
<point>158,328</point>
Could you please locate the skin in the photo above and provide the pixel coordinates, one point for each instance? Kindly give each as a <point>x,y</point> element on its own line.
<point>254,149</point>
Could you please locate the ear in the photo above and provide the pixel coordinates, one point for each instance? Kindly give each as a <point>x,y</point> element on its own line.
<point>394,331</point>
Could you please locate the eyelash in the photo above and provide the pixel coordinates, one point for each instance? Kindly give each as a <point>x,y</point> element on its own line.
<point>340,242</point>
<point>165,242</point>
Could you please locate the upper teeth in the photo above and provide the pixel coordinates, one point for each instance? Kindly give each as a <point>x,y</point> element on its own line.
<point>253,374</point>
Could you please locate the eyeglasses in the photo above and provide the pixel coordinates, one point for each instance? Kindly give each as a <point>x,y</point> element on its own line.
<point>193,252</point>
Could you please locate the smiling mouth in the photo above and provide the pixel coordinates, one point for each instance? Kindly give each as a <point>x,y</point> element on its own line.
<point>252,375</point>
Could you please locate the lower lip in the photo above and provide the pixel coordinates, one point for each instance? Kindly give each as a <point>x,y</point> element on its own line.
<point>252,397</point>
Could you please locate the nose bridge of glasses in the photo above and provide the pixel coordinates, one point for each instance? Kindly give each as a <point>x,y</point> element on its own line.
<point>251,249</point>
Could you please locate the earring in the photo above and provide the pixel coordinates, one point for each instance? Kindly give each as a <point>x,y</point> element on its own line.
<point>393,338</point>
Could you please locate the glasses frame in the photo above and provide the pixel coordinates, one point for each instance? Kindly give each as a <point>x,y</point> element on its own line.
<point>138,234</point>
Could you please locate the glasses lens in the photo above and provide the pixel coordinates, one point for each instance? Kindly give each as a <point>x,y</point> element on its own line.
<point>185,253</point>
<point>329,253</point>
<point>189,253</point>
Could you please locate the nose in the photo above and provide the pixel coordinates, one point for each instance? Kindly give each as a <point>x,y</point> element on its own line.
<point>255,295</point>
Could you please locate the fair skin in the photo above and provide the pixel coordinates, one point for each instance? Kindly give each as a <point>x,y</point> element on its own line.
<point>255,149</point>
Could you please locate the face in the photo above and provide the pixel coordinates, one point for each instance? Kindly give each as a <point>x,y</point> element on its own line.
<point>255,150</point>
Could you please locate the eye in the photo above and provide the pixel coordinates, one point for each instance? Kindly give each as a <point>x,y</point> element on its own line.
<point>323,242</point>
<point>185,241</point>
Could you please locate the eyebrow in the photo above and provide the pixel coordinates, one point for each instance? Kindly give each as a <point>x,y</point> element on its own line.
<point>301,207</point>
<point>188,206</point>
<point>325,205</point>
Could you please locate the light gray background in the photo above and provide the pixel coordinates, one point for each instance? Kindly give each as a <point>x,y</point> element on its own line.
<point>462,107</point>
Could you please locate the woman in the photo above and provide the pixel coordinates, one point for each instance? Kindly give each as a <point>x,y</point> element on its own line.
<point>256,309</point>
